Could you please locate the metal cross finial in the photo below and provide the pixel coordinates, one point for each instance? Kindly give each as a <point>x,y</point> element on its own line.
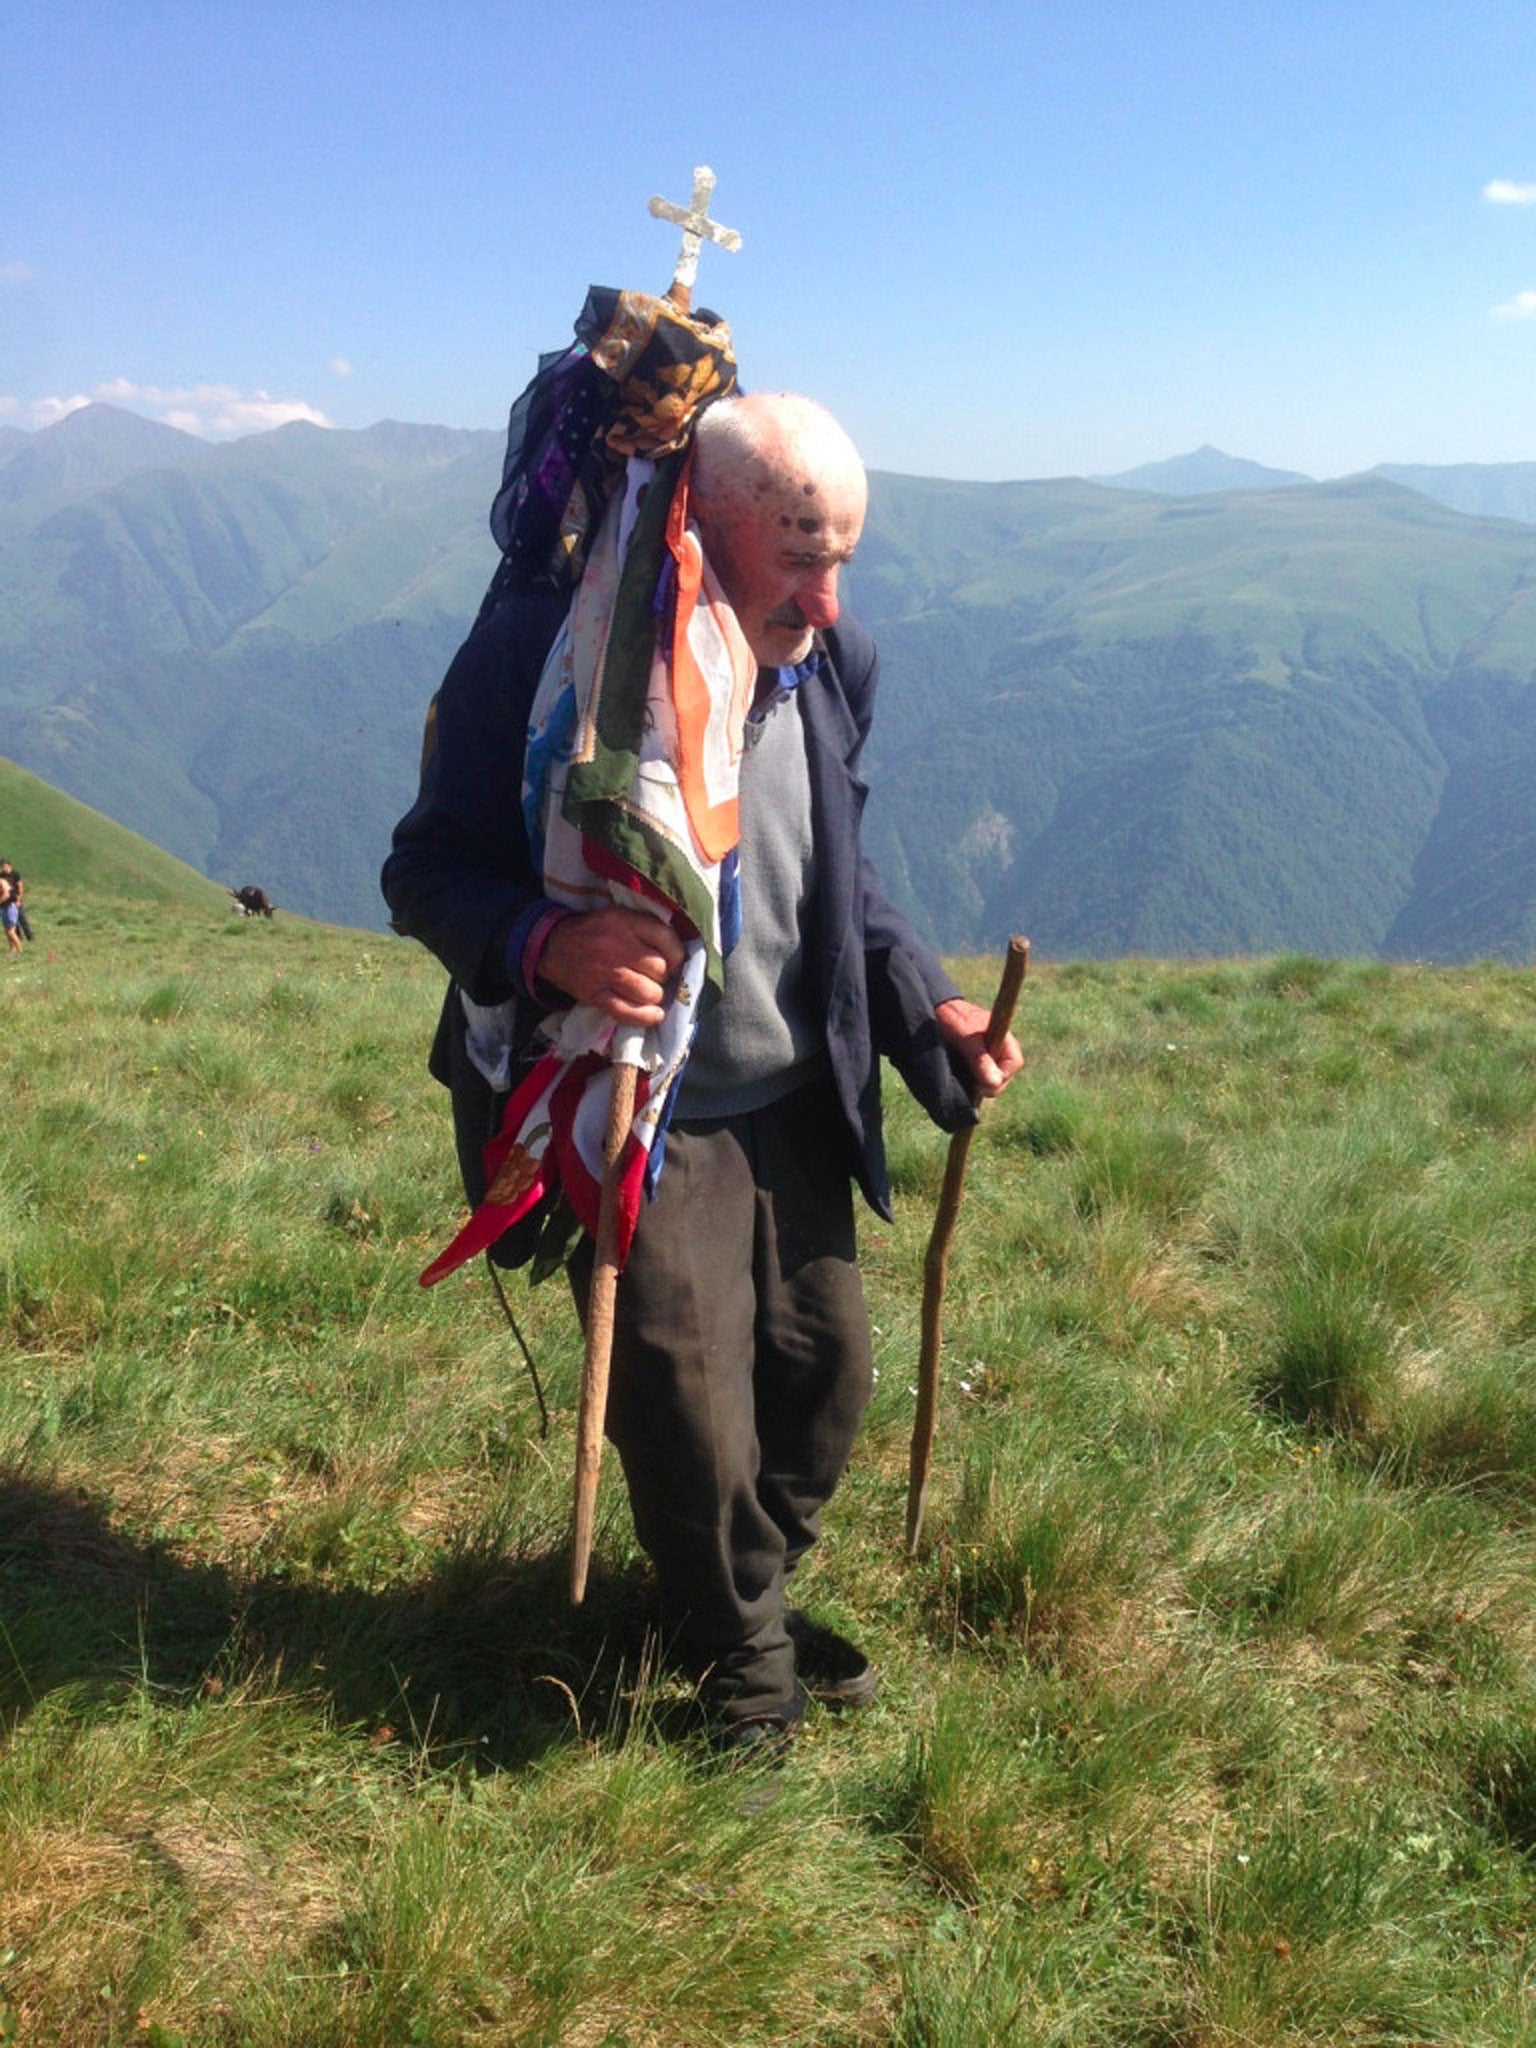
<point>697,226</point>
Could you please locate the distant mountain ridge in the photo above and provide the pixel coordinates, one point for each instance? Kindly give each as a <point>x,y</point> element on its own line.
<point>89,450</point>
<point>1233,717</point>
<point>1485,490</point>
<point>1203,471</point>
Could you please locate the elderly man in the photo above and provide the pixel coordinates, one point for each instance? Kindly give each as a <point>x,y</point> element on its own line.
<point>742,1357</point>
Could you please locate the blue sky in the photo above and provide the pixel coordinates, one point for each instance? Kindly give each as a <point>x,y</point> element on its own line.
<point>1032,239</point>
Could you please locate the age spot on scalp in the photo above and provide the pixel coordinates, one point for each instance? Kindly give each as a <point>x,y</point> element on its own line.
<point>807,525</point>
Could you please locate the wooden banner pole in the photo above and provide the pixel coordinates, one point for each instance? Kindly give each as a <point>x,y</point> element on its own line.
<point>599,1332</point>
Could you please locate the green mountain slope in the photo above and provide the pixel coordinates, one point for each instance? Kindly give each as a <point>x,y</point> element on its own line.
<point>57,843</point>
<point>1203,725</point>
<point>88,450</point>
<point>233,654</point>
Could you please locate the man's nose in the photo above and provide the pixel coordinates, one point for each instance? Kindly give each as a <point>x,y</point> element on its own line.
<point>816,596</point>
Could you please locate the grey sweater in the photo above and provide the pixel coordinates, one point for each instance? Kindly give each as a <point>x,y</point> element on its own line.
<point>763,1040</point>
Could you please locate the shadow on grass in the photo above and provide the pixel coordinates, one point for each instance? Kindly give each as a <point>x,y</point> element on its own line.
<point>485,1656</point>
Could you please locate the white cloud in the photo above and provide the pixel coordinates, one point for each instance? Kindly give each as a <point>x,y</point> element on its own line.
<point>214,412</point>
<point>47,412</point>
<point>8,404</point>
<point>1505,192</point>
<point>341,366</point>
<point>1521,307</point>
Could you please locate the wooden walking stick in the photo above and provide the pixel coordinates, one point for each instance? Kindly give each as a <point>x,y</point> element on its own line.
<point>599,1333</point>
<point>936,1263</point>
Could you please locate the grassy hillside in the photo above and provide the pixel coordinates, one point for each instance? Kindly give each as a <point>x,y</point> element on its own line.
<point>1206,1707</point>
<point>64,849</point>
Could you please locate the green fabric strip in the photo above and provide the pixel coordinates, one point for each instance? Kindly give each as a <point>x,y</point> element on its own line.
<point>597,791</point>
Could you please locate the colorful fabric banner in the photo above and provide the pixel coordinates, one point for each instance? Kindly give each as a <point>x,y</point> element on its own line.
<point>630,793</point>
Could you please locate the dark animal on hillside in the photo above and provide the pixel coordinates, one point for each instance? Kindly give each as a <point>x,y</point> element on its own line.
<point>252,902</point>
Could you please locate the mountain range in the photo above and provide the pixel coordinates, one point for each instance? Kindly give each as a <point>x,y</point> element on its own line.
<point>1204,707</point>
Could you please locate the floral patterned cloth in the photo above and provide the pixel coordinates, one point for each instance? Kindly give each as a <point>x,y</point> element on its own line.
<point>631,384</point>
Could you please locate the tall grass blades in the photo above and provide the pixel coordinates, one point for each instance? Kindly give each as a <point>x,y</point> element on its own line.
<point>1202,1712</point>
<point>1046,1538</point>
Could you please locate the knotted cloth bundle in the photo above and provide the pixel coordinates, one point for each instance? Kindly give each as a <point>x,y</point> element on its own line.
<point>632,383</point>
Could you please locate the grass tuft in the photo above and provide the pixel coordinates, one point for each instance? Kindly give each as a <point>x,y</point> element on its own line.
<point>1331,1358</point>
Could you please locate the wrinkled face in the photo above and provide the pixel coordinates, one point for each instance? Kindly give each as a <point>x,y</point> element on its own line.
<point>778,548</point>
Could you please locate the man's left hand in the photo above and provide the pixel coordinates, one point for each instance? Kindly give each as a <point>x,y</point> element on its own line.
<point>963,1027</point>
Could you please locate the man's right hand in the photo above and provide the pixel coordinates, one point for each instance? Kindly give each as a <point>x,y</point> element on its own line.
<point>619,960</point>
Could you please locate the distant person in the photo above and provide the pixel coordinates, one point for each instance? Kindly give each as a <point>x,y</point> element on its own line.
<point>18,889</point>
<point>10,914</point>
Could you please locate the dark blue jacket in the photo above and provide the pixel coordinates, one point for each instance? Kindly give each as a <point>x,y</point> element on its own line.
<point>460,878</point>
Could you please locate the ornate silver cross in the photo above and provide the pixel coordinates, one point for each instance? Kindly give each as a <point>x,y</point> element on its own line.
<point>697,227</point>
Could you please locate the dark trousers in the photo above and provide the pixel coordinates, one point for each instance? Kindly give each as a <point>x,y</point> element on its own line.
<point>741,1369</point>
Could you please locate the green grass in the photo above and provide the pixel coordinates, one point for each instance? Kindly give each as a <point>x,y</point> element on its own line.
<point>78,850</point>
<point>1206,1704</point>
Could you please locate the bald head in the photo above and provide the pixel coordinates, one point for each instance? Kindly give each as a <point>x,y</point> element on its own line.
<point>749,445</point>
<point>779,494</point>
